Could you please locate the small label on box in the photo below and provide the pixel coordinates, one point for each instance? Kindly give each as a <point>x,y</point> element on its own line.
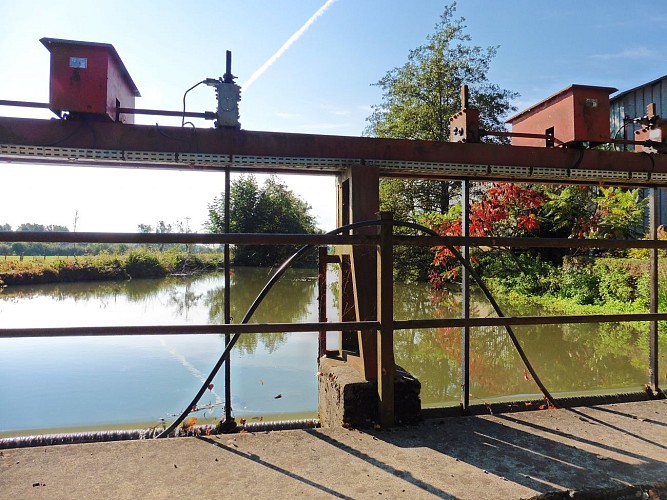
<point>78,62</point>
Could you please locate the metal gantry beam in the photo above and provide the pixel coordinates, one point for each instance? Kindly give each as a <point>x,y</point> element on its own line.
<point>144,146</point>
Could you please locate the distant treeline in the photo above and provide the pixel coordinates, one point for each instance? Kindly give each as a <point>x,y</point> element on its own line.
<point>79,249</point>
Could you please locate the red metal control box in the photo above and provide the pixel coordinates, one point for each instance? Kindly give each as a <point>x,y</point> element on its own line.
<point>579,113</point>
<point>89,79</point>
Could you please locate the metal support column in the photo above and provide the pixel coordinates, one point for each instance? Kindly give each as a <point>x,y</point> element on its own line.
<point>465,301</point>
<point>322,300</point>
<point>653,329</point>
<point>385,316</point>
<point>229,421</point>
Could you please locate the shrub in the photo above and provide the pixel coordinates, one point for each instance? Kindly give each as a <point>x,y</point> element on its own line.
<point>144,264</point>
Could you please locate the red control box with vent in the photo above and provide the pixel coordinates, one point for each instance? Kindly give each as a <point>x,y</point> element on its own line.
<point>89,81</point>
<point>577,114</point>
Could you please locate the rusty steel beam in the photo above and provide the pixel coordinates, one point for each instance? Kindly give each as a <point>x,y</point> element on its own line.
<point>386,365</point>
<point>189,238</point>
<point>498,242</point>
<point>654,290</point>
<point>247,328</point>
<point>97,331</point>
<point>118,136</point>
<point>206,115</point>
<point>339,240</point>
<point>24,104</point>
<point>526,320</point>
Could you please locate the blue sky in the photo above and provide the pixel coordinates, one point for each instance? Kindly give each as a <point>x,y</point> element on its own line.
<point>321,84</point>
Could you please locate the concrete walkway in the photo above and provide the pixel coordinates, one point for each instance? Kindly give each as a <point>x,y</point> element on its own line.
<point>503,456</point>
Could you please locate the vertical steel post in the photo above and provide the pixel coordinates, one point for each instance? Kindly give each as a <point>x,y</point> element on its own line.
<point>322,300</point>
<point>653,328</point>
<point>465,300</point>
<point>228,314</point>
<point>385,316</point>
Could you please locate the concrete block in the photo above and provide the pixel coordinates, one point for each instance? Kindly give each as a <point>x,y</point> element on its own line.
<point>347,400</point>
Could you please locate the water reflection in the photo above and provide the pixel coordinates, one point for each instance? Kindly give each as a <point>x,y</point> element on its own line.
<point>568,358</point>
<point>290,300</point>
<point>50,383</point>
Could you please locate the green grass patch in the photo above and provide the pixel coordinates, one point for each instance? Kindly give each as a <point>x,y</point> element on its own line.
<point>104,267</point>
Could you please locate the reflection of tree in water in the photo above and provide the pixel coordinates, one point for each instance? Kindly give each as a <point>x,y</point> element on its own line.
<point>292,299</point>
<point>183,299</point>
<point>595,357</point>
<point>136,290</point>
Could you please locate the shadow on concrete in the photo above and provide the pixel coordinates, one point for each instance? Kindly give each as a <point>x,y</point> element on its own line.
<point>275,468</point>
<point>597,421</point>
<point>402,474</point>
<point>518,453</point>
<point>628,415</point>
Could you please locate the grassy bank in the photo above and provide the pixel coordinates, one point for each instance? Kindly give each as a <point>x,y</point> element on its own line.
<point>586,287</point>
<point>135,264</point>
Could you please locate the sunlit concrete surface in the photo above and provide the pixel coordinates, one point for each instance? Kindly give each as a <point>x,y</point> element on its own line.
<point>517,455</point>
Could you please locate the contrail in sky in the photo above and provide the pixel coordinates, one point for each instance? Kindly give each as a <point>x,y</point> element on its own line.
<point>290,41</point>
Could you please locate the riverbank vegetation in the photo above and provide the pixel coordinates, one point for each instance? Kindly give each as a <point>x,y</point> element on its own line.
<point>137,263</point>
<point>270,208</point>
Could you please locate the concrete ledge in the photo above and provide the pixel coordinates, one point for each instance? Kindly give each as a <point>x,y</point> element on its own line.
<point>347,400</point>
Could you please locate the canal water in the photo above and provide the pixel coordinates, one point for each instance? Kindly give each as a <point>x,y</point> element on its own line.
<point>57,384</point>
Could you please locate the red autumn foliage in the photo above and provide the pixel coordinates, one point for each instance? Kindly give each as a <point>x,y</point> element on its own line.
<point>505,209</point>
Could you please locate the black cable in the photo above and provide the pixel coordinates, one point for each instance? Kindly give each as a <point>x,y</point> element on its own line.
<point>71,134</point>
<point>288,263</point>
<point>184,95</point>
<point>581,157</point>
<point>171,137</point>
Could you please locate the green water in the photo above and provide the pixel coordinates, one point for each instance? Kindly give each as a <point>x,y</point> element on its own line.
<point>76,383</point>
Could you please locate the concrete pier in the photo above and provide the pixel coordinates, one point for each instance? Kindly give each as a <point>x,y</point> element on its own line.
<point>346,399</point>
<point>621,448</point>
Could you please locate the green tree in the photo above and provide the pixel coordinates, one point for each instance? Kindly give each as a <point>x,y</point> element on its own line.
<point>5,227</point>
<point>272,208</point>
<point>30,227</point>
<point>417,100</point>
<point>596,212</point>
<point>56,228</point>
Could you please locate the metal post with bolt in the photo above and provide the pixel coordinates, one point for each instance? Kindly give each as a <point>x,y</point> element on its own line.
<point>385,316</point>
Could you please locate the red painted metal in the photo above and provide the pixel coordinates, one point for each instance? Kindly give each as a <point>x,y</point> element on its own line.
<point>656,135</point>
<point>464,126</point>
<point>579,113</point>
<point>117,136</point>
<point>89,78</point>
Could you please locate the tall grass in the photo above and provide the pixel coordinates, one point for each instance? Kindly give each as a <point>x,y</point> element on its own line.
<point>135,264</point>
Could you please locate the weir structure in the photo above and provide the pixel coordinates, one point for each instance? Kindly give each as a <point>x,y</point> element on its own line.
<point>363,248</point>
<point>366,322</point>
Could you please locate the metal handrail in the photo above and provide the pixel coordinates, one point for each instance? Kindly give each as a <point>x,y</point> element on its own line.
<point>328,239</point>
<point>320,239</point>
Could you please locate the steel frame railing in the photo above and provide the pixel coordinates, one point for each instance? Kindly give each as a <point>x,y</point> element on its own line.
<point>385,324</point>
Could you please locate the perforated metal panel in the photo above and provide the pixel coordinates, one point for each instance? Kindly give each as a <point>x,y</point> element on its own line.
<point>509,170</point>
<point>430,167</point>
<point>550,173</point>
<point>11,152</point>
<point>150,156</point>
<point>655,176</point>
<point>639,176</point>
<point>598,174</point>
<point>335,164</point>
<point>202,158</point>
<point>55,152</point>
